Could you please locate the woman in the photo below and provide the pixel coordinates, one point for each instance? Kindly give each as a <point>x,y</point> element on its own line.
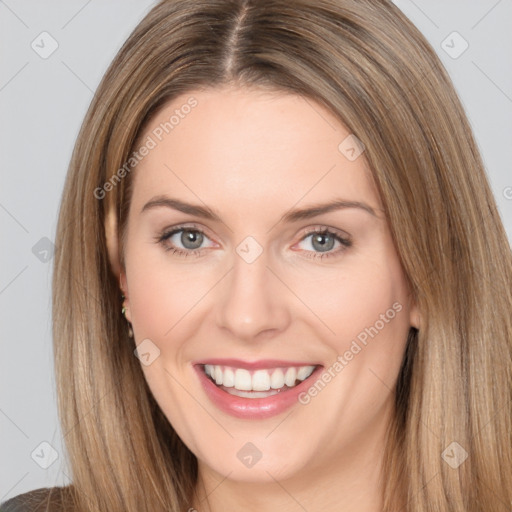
<point>281,279</point>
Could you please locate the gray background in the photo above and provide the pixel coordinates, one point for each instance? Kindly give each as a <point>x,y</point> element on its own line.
<point>42,104</point>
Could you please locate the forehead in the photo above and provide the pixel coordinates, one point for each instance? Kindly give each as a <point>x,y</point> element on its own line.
<point>253,148</point>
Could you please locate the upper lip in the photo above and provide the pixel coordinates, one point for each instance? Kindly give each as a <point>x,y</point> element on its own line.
<point>254,365</point>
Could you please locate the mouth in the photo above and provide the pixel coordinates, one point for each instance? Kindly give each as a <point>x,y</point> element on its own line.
<point>257,383</point>
<point>255,390</point>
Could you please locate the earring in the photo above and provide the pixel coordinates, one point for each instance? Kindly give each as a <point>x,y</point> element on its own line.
<point>123,312</point>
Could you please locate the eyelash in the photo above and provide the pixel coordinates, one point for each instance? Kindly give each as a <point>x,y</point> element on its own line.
<point>163,237</point>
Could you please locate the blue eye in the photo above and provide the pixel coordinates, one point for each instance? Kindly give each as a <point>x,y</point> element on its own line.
<point>191,239</point>
<point>322,243</point>
<point>324,240</point>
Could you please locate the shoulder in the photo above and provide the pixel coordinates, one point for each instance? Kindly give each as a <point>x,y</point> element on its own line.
<point>47,499</point>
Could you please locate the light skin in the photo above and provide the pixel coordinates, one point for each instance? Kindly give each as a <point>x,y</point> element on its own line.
<point>252,156</point>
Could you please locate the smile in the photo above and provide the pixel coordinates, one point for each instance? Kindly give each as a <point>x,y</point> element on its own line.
<point>246,383</point>
<point>255,390</point>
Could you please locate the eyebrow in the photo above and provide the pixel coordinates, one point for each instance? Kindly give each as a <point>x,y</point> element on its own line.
<point>291,216</point>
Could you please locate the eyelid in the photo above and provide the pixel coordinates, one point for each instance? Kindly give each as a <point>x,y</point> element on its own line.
<point>167,233</point>
<point>304,231</point>
<point>187,226</point>
<point>320,228</point>
<point>342,236</point>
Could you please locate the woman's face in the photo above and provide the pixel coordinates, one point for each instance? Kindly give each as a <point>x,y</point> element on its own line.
<point>236,268</point>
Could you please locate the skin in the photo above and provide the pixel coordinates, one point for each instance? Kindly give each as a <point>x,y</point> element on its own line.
<point>251,156</point>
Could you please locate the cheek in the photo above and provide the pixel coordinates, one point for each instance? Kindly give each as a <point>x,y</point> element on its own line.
<point>350,303</point>
<point>367,312</point>
<point>163,294</point>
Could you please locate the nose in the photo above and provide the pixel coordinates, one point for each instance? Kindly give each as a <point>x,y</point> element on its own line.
<point>253,302</point>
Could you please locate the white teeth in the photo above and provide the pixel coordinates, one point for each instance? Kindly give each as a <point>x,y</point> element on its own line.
<point>277,379</point>
<point>243,380</point>
<point>258,381</point>
<point>228,378</point>
<point>252,394</point>
<point>218,375</point>
<point>290,377</point>
<point>261,381</point>
<point>304,372</point>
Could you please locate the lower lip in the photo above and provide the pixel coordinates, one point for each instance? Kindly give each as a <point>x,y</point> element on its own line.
<point>253,408</point>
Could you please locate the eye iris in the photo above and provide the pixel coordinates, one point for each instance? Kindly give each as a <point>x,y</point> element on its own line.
<point>320,237</point>
<point>194,237</point>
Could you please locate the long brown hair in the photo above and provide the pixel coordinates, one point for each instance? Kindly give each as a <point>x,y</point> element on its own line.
<point>368,64</point>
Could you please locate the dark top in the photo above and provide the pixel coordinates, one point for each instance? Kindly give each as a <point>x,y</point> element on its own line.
<point>48,499</point>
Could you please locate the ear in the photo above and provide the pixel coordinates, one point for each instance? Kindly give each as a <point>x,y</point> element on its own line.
<point>112,243</point>
<point>126,303</point>
<point>414,315</point>
<point>113,256</point>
